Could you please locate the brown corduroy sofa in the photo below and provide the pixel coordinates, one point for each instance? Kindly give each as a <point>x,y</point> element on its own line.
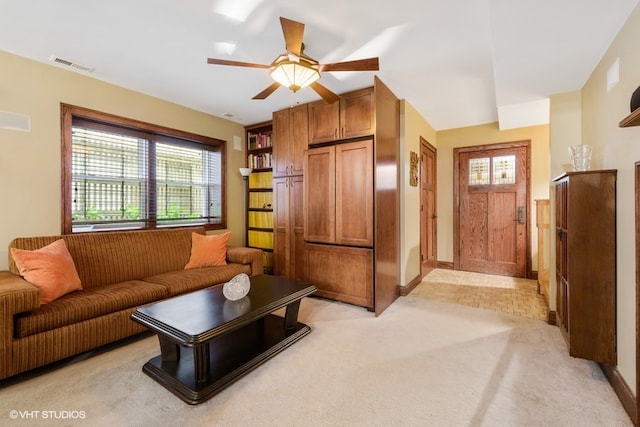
<point>119,271</point>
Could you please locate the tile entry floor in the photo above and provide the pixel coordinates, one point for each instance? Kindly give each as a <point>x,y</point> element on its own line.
<point>497,293</point>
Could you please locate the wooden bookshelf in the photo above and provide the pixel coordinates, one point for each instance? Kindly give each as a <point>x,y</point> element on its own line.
<point>259,215</point>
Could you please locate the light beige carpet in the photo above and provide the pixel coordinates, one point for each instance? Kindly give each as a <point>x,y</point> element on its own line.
<point>422,363</point>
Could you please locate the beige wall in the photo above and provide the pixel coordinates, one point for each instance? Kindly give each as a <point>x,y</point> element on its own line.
<point>565,129</point>
<point>412,127</point>
<point>482,135</point>
<point>30,173</point>
<point>618,148</point>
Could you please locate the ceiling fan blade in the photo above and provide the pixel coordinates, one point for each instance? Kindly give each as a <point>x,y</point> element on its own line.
<point>215,61</point>
<point>369,64</point>
<point>293,32</point>
<point>268,91</point>
<point>328,96</point>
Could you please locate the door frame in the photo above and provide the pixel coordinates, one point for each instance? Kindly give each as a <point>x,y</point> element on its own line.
<point>425,144</point>
<point>456,197</point>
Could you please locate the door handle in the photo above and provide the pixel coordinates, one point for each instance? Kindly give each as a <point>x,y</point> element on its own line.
<point>521,215</point>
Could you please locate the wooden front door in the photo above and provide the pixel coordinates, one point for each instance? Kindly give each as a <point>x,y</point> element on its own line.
<point>493,209</point>
<point>428,224</point>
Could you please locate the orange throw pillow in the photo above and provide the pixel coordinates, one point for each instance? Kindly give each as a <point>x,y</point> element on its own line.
<point>50,269</point>
<point>208,251</point>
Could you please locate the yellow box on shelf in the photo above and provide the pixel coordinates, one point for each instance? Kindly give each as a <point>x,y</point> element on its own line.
<point>260,239</point>
<point>261,219</point>
<point>261,180</point>
<point>261,200</point>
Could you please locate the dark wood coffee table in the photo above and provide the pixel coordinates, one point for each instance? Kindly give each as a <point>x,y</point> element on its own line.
<point>207,342</point>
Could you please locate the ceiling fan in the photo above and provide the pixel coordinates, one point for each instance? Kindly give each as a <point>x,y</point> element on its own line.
<point>296,70</point>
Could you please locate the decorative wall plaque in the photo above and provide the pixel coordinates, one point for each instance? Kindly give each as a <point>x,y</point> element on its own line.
<point>413,171</point>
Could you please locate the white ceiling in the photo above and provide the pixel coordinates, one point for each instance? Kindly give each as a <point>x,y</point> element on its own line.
<point>455,61</point>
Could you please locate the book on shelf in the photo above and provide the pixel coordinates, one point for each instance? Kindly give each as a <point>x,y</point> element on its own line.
<point>259,161</point>
<point>259,140</point>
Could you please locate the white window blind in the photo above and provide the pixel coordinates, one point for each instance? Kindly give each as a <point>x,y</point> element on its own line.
<point>126,179</point>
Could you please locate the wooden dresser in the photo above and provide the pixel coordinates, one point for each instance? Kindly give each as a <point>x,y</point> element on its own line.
<point>585,238</point>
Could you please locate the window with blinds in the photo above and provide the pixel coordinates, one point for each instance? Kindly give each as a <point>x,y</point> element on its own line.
<point>129,178</point>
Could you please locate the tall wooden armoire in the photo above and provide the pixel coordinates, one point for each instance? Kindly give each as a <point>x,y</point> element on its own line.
<point>585,214</point>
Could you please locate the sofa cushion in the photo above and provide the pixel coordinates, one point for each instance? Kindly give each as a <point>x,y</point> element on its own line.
<point>180,282</point>
<point>87,304</point>
<point>50,269</point>
<point>208,251</point>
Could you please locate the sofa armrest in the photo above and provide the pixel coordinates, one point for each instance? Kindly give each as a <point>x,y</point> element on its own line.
<point>243,255</point>
<point>16,296</point>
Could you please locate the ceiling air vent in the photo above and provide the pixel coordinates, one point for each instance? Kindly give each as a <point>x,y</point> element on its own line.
<point>71,64</point>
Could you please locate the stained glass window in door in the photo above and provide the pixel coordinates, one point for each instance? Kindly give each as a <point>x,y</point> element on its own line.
<point>504,169</point>
<point>479,171</point>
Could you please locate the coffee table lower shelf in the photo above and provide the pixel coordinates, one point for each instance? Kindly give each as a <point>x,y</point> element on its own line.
<point>231,356</point>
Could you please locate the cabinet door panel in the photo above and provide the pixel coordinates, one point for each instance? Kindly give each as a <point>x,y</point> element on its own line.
<point>319,195</point>
<point>357,116</point>
<point>281,142</point>
<point>299,139</point>
<point>324,121</point>
<point>342,273</point>
<point>354,193</point>
<point>290,140</point>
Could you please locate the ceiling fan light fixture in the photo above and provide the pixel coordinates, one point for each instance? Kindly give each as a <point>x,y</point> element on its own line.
<point>293,74</point>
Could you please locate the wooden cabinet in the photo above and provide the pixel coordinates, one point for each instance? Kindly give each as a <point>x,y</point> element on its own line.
<point>338,221</point>
<point>259,200</point>
<point>289,249</point>
<point>585,214</point>
<point>342,273</point>
<point>353,116</point>
<point>331,239</point>
<point>338,194</point>
<point>290,135</point>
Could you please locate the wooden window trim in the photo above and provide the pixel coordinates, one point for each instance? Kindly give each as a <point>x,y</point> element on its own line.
<point>69,112</point>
